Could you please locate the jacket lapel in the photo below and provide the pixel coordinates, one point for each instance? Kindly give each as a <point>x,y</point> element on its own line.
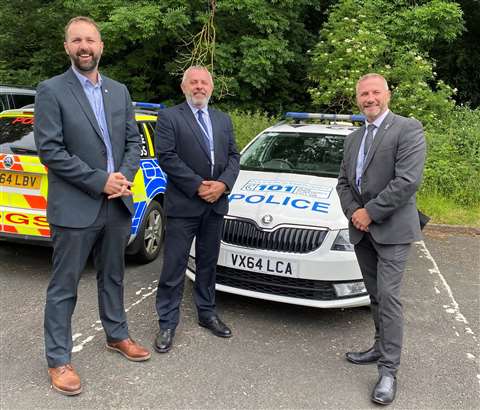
<point>357,141</point>
<point>107,105</point>
<point>386,124</point>
<point>77,91</point>
<point>216,131</point>
<point>192,123</point>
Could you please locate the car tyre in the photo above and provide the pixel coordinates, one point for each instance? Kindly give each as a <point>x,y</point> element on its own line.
<point>150,235</point>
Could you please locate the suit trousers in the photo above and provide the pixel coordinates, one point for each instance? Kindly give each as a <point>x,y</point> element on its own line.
<point>207,230</point>
<point>382,269</point>
<point>106,240</point>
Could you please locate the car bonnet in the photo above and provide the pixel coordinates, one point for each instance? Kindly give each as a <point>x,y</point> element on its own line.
<point>272,199</point>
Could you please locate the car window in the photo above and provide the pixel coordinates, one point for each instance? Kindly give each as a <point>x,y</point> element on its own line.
<point>151,129</point>
<point>146,129</point>
<point>20,101</point>
<point>144,144</point>
<point>16,136</point>
<point>315,154</point>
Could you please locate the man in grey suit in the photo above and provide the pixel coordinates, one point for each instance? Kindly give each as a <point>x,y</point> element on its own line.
<point>196,148</point>
<point>381,171</point>
<point>87,136</point>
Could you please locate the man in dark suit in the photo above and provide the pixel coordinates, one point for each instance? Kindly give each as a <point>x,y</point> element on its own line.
<point>381,171</point>
<point>86,135</point>
<point>196,148</point>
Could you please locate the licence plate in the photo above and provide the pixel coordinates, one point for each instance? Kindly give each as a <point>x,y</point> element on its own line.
<point>261,264</point>
<point>20,180</point>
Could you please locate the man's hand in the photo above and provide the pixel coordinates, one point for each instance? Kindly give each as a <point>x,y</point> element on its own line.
<point>361,219</point>
<point>210,191</point>
<point>117,185</point>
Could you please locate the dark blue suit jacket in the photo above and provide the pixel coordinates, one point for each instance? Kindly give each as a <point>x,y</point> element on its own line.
<point>184,156</point>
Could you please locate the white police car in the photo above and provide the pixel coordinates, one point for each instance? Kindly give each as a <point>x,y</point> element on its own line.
<point>285,238</point>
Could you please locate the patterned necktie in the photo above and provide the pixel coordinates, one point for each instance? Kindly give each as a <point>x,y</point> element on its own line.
<point>368,141</point>
<point>208,139</point>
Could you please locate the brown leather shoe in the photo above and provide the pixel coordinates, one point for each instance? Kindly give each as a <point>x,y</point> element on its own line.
<point>130,349</point>
<point>65,380</point>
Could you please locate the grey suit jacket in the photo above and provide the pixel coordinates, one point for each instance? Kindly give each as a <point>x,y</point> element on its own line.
<point>183,155</point>
<point>392,174</point>
<point>70,144</point>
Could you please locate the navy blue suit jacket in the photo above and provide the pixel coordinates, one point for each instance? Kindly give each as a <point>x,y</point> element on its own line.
<point>184,156</point>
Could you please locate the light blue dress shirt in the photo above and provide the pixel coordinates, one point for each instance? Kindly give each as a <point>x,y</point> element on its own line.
<point>95,98</point>
<point>209,131</point>
<point>360,158</point>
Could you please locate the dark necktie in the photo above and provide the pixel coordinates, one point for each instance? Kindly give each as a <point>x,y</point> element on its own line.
<point>368,141</point>
<point>208,139</point>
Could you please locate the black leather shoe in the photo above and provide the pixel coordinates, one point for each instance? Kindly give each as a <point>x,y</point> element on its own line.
<point>216,326</point>
<point>164,340</point>
<point>368,357</point>
<point>385,389</point>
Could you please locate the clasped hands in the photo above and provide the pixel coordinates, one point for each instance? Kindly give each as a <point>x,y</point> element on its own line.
<point>361,220</point>
<point>210,191</point>
<point>117,185</point>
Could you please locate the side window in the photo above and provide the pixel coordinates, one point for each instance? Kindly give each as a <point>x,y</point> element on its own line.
<point>151,130</point>
<point>23,100</point>
<point>144,130</point>
<point>144,144</point>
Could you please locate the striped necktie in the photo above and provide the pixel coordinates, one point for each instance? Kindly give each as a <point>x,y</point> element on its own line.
<point>208,138</point>
<point>368,141</point>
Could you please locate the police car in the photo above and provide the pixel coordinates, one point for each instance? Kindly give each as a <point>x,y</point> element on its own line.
<point>23,184</point>
<point>285,238</point>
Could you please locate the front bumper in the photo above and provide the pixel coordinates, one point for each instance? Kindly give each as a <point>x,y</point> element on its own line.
<point>304,292</point>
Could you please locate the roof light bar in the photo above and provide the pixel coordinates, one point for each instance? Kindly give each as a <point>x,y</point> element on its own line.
<point>149,106</point>
<point>320,116</point>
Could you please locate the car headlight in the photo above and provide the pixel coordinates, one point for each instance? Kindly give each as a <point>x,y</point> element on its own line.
<point>342,241</point>
<point>350,289</point>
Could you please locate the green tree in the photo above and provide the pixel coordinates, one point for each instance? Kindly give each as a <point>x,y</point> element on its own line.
<point>260,45</point>
<point>393,39</point>
<point>458,61</point>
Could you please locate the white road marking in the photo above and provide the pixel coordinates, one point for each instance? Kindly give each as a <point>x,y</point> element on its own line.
<point>453,308</point>
<point>97,328</point>
<point>79,347</point>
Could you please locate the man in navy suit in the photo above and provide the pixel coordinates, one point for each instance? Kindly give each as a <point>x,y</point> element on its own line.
<point>196,148</point>
<point>86,135</point>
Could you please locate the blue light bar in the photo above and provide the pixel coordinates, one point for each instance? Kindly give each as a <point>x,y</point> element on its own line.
<point>320,116</point>
<point>149,106</point>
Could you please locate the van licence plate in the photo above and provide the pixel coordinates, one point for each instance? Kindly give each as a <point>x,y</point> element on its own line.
<point>271,266</point>
<point>20,180</point>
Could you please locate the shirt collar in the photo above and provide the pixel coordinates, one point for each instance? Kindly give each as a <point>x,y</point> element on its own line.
<point>86,81</point>
<point>196,109</point>
<point>378,121</point>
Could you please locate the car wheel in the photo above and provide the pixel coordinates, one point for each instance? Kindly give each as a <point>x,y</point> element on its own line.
<point>150,234</point>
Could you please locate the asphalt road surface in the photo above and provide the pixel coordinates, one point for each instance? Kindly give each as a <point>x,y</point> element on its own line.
<point>281,356</point>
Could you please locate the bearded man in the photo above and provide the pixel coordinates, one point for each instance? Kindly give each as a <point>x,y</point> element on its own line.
<point>196,148</point>
<point>87,137</point>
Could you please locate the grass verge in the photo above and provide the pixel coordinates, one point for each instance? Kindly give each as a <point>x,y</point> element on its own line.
<point>446,211</point>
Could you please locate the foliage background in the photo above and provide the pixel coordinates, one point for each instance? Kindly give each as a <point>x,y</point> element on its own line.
<point>285,55</point>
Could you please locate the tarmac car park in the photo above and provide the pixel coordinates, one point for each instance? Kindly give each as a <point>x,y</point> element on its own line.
<point>23,185</point>
<point>285,237</point>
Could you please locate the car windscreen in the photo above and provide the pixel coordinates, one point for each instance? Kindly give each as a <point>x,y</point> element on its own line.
<point>16,136</point>
<point>299,153</point>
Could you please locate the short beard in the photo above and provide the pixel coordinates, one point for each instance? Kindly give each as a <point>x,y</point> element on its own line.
<point>204,101</point>
<point>86,68</point>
